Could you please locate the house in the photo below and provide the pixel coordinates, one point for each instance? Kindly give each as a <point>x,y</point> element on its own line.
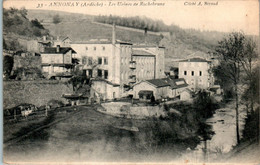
<point>62,41</point>
<point>57,61</point>
<point>176,86</point>
<point>159,88</point>
<point>104,89</point>
<point>197,73</point>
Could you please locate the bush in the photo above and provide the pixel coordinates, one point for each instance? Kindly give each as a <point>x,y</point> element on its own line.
<point>55,103</point>
<point>56,19</point>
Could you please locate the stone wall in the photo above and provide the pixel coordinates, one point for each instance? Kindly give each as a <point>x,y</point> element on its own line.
<point>33,92</point>
<point>27,62</point>
<point>123,109</point>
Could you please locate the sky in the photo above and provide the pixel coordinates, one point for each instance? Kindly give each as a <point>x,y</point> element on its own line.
<point>226,16</point>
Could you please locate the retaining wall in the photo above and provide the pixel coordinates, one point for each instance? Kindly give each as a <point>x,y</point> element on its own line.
<point>33,92</point>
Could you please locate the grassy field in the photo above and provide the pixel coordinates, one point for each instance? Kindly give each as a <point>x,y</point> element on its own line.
<point>87,135</point>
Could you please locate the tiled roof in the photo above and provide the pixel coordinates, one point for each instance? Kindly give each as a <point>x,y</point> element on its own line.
<point>194,60</point>
<point>158,82</point>
<point>176,83</point>
<point>149,45</point>
<point>108,82</point>
<point>101,41</point>
<point>53,50</point>
<point>142,53</point>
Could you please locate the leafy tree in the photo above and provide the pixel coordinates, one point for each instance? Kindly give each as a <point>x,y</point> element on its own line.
<point>37,24</point>
<point>78,79</point>
<point>15,21</point>
<point>204,105</point>
<point>56,19</point>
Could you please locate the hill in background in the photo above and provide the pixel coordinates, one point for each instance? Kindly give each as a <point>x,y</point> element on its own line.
<point>180,43</point>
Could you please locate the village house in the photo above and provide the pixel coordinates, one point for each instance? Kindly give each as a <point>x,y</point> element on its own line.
<point>62,41</point>
<point>197,73</point>
<point>57,61</point>
<point>176,87</point>
<point>158,88</point>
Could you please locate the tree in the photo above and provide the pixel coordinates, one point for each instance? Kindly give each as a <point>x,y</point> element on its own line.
<point>37,24</point>
<point>251,74</point>
<point>235,52</point>
<point>204,105</point>
<point>78,79</point>
<point>8,65</point>
<point>56,19</point>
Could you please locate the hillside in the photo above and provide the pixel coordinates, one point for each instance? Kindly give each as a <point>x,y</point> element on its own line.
<point>17,29</point>
<point>179,44</point>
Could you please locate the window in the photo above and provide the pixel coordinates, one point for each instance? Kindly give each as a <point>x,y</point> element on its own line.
<point>200,73</point>
<point>106,74</point>
<point>185,72</point>
<point>84,60</point>
<point>90,59</point>
<point>192,73</point>
<point>99,60</point>
<point>99,73</point>
<point>86,48</point>
<point>103,48</point>
<point>105,61</point>
<point>90,72</point>
<point>95,48</point>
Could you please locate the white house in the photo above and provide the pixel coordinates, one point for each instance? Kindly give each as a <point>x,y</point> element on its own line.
<point>197,73</point>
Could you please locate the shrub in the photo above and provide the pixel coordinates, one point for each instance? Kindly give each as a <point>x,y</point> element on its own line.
<point>55,103</point>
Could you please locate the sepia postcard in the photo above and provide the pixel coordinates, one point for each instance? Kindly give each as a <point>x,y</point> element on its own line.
<point>131,82</point>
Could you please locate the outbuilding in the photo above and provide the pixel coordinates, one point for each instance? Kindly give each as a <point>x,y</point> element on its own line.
<point>155,87</point>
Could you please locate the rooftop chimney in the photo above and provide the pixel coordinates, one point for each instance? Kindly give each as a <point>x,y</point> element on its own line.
<point>44,38</point>
<point>114,34</point>
<point>145,35</point>
<point>58,48</point>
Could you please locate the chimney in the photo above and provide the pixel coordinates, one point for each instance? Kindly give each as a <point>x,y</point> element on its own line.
<point>44,38</point>
<point>114,34</point>
<point>58,48</point>
<point>145,35</point>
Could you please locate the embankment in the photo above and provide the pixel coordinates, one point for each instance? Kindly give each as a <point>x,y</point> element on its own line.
<point>33,92</point>
<point>123,109</point>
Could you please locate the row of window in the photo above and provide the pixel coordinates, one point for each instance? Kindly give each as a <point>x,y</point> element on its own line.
<point>104,61</point>
<point>104,48</point>
<point>192,73</point>
<point>89,60</point>
<point>100,73</point>
<point>95,48</point>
